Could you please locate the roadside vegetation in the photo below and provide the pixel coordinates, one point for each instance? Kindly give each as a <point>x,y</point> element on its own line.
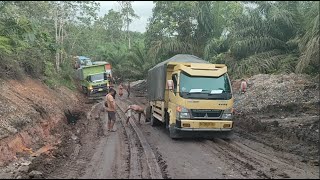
<point>39,39</point>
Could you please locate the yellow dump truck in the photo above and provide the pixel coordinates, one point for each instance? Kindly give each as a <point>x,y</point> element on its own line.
<point>191,97</point>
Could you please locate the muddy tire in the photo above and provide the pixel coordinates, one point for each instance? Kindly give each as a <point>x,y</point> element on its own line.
<point>227,136</point>
<point>88,93</point>
<point>84,90</point>
<point>167,119</point>
<point>173,134</point>
<point>148,114</point>
<point>154,121</point>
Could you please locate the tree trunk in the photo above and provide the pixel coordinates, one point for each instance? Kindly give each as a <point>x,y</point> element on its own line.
<point>57,39</point>
<point>59,36</point>
<point>61,32</point>
<point>128,31</point>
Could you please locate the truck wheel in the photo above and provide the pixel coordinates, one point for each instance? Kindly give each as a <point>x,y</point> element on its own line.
<point>88,92</point>
<point>148,114</point>
<point>227,136</point>
<point>173,134</point>
<point>154,121</point>
<point>167,119</point>
<point>84,90</point>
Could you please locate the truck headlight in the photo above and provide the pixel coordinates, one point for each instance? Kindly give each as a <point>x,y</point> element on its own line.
<point>227,114</point>
<point>183,113</point>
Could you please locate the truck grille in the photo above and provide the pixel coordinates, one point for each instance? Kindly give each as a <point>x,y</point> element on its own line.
<point>206,113</point>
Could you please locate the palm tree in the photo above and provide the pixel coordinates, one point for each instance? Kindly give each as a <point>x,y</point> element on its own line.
<point>309,42</point>
<point>259,39</point>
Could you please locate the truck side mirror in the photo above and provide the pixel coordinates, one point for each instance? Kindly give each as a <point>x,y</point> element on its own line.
<point>170,84</point>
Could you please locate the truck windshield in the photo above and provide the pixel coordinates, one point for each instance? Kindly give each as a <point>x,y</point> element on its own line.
<point>97,77</point>
<point>198,87</point>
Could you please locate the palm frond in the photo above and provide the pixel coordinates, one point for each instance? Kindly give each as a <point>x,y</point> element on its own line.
<point>282,15</point>
<point>167,46</point>
<point>309,46</point>
<point>5,45</point>
<point>252,45</point>
<point>259,63</point>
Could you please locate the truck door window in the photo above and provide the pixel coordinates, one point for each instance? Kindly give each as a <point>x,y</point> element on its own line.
<point>175,83</point>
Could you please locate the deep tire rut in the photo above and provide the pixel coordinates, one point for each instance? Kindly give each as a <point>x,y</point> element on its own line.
<point>155,172</point>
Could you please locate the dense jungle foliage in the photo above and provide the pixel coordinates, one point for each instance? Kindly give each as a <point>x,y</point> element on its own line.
<point>41,38</point>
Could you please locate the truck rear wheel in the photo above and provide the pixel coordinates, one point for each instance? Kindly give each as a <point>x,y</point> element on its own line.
<point>148,114</point>
<point>154,121</point>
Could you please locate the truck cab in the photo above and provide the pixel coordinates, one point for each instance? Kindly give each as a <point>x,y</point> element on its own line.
<point>96,83</point>
<point>197,98</point>
<point>93,78</point>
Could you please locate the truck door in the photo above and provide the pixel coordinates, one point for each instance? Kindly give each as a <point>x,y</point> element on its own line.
<point>173,98</point>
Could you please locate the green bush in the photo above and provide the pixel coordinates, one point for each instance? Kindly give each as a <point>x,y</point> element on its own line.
<point>66,75</point>
<point>50,74</point>
<point>9,68</point>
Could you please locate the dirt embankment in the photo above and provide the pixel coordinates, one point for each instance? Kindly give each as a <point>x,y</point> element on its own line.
<point>32,117</point>
<point>281,111</point>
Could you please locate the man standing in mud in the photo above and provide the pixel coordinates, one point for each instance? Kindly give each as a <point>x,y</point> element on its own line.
<point>128,89</point>
<point>136,109</point>
<point>243,86</point>
<point>120,90</point>
<point>111,109</point>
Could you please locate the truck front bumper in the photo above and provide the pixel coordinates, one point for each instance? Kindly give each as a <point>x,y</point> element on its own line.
<point>97,90</point>
<point>201,129</point>
<point>204,125</point>
<point>176,132</point>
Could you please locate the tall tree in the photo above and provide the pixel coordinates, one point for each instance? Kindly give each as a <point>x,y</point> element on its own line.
<point>128,15</point>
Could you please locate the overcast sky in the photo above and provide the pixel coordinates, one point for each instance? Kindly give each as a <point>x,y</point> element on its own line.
<point>142,8</point>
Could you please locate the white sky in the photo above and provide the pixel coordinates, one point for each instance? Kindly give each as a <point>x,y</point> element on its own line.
<point>142,8</point>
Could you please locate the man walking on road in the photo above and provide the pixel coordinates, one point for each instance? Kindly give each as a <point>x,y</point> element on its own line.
<point>243,86</point>
<point>128,89</point>
<point>111,109</point>
<point>137,109</point>
<point>120,90</point>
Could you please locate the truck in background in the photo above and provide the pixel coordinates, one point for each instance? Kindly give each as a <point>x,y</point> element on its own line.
<point>192,97</point>
<point>108,72</point>
<point>93,78</point>
<point>80,61</point>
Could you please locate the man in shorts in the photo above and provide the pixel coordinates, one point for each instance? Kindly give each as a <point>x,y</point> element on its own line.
<point>136,109</point>
<point>111,109</point>
<point>243,86</point>
<point>128,89</point>
<point>120,90</point>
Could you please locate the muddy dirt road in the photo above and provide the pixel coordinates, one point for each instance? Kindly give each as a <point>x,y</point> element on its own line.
<point>238,158</point>
<point>142,151</point>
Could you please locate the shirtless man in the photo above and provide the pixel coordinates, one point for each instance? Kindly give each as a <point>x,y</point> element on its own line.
<point>136,109</point>
<point>243,86</point>
<point>111,109</point>
<point>120,90</point>
<point>128,89</point>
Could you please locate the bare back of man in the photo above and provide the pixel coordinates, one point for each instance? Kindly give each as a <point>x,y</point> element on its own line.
<point>137,109</point>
